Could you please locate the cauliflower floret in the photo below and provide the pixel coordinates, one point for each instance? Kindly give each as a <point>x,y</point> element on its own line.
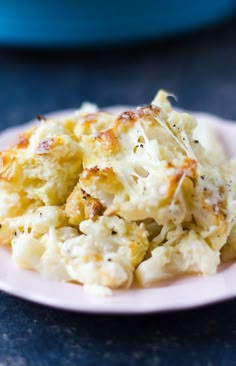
<point>36,222</point>
<point>42,253</point>
<point>189,255</point>
<point>52,264</point>
<point>35,240</point>
<point>27,251</point>
<point>106,253</point>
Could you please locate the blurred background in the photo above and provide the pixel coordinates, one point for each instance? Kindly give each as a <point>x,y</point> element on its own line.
<point>56,54</point>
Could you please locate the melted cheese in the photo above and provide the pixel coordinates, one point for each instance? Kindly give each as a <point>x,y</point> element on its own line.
<point>98,198</point>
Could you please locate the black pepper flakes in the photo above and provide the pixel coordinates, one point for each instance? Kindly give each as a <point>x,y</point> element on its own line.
<point>196,141</point>
<point>202,177</point>
<point>141,145</point>
<point>40,117</point>
<point>113,232</point>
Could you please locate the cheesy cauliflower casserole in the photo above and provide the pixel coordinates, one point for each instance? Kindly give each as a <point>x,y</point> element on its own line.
<point>100,199</point>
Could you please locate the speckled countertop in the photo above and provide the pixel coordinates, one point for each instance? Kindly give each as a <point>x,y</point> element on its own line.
<point>200,69</point>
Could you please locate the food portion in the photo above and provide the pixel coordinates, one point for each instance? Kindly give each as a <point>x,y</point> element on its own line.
<point>102,199</point>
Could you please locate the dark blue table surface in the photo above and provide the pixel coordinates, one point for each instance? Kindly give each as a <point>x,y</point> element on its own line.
<point>201,70</point>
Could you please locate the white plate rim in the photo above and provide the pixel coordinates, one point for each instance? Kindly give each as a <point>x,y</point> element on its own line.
<point>183,293</point>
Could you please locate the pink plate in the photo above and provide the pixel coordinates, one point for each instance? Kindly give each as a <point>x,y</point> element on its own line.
<point>182,293</point>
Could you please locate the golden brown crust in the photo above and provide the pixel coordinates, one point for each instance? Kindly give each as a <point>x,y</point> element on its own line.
<point>100,147</point>
<point>91,123</point>
<point>81,206</point>
<point>127,119</point>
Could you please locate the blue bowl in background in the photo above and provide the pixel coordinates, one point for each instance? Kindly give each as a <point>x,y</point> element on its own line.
<point>71,23</point>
